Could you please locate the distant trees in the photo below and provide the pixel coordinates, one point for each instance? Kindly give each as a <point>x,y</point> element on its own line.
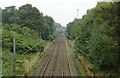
<point>29,16</point>
<point>98,34</point>
<point>72,28</point>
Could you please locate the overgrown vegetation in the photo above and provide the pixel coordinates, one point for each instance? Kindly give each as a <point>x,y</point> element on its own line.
<point>29,16</point>
<point>29,27</point>
<point>98,35</point>
<point>25,38</point>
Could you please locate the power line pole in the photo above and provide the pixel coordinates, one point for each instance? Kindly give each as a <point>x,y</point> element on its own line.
<point>40,35</point>
<point>94,65</point>
<point>77,13</point>
<point>14,57</point>
<point>40,46</point>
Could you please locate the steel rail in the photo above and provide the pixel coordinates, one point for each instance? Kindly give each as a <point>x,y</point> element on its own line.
<point>54,50</point>
<point>53,66</point>
<point>63,66</point>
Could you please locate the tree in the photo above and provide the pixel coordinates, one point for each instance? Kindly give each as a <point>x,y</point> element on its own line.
<point>7,13</point>
<point>29,16</point>
<point>50,23</point>
<point>98,35</point>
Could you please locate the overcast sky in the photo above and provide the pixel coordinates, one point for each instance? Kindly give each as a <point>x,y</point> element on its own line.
<point>62,11</point>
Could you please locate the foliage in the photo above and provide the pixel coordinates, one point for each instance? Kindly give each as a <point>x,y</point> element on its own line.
<point>72,28</point>
<point>98,34</point>
<point>25,38</point>
<point>27,25</point>
<point>29,16</point>
<point>7,13</point>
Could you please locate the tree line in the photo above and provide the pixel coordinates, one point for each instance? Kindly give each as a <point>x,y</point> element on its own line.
<point>27,24</point>
<point>34,33</point>
<point>31,17</point>
<point>98,34</point>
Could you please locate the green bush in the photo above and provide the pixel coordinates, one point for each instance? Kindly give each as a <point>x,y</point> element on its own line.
<point>25,39</point>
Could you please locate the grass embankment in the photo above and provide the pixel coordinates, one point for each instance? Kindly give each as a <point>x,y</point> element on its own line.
<point>81,69</point>
<point>41,57</point>
<point>85,64</point>
<point>25,40</point>
<point>88,67</point>
<point>0,61</point>
<point>24,63</point>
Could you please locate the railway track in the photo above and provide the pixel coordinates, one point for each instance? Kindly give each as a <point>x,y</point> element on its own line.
<point>63,66</point>
<point>59,67</point>
<point>50,63</point>
<point>55,62</point>
<point>42,65</point>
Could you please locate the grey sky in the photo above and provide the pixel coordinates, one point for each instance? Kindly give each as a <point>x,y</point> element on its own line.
<point>62,11</point>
